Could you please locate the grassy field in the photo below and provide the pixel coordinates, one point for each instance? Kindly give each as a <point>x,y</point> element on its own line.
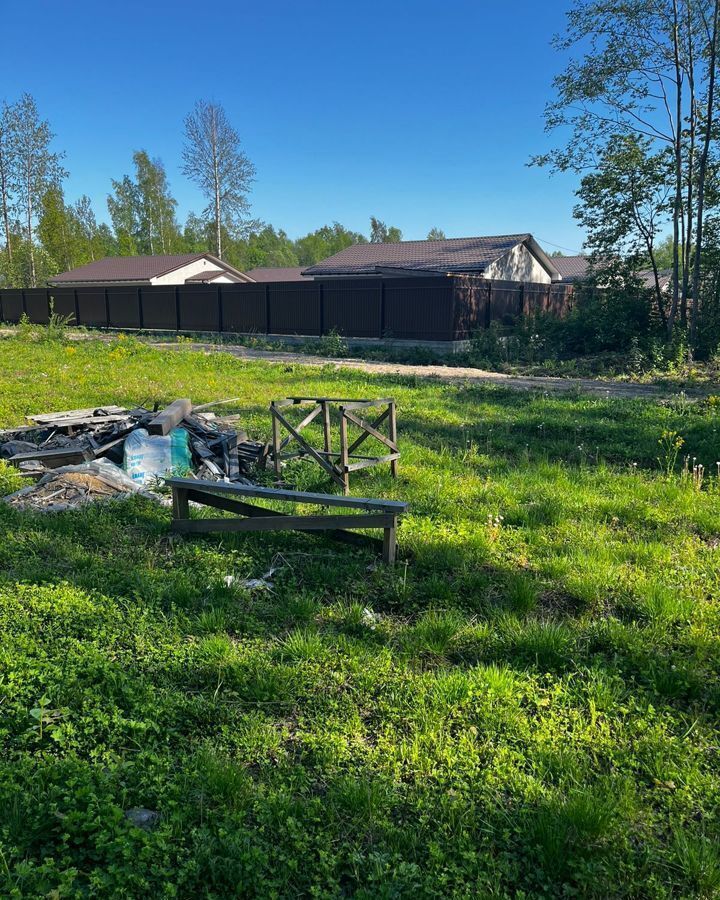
<point>526,706</point>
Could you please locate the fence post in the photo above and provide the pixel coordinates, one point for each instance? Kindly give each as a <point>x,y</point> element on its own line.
<point>177,308</point>
<point>267,308</point>
<point>488,306</point>
<point>321,302</point>
<point>2,318</point>
<point>521,310</point>
<point>24,303</point>
<point>76,301</point>
<point>141,314</point>
<point>382,309</point>
<point>220,309</point>
<point>107,308</point>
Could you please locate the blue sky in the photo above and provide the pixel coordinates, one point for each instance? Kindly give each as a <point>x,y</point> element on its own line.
<point>423,114</point>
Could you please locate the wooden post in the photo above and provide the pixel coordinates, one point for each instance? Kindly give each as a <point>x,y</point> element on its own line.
<point>344,461</point>
<point>390,543</point>
<point>326,426</point>
<point>392,427</point>
<point>275,440</point>
<point>181,506</point>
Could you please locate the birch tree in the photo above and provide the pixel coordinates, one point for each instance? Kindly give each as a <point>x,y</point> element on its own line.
<point>213,158</point>
<point>7,130</point>
<point>35,169</point>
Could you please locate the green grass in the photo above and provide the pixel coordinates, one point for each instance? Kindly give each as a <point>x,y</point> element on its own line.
<point>526,705</point>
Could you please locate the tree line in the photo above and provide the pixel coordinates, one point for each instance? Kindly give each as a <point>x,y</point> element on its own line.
<point>42,234</point>
<point>637,102</point>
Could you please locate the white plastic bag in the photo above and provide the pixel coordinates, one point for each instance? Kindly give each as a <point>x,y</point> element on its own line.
<point>148,457</point>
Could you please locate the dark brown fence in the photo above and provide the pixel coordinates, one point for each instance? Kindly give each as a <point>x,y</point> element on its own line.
<point>433,308</point>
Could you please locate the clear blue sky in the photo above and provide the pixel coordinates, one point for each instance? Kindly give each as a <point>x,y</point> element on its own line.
<point>423,114</point>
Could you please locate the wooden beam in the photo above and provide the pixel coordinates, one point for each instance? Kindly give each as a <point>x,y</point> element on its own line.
<point>251,490</point>
<point>372,461</point>
<point>170,417</point>
<point>363,437</point>
<point>373,432</point>
<point>311,451</point>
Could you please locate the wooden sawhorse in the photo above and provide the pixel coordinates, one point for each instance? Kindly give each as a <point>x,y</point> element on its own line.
<point>222,495</point>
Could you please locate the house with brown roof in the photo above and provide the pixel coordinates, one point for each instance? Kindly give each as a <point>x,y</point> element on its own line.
<point>179,268</point>
<point>509,257</point>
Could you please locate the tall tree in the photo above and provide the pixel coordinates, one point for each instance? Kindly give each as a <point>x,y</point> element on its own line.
<point>7,162</point>
<point>324,242</point>
<point>643,68</point>
<point>124,208</point>
<point>436,234</point>
<point>380,233</point>
<point>36,168</point>
<point>624,207</point>
<point>214,160</point>
<point>57,229</point>
<point>156,205</point>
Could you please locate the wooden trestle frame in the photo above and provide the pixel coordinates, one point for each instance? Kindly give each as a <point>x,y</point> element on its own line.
<point>337,464</point>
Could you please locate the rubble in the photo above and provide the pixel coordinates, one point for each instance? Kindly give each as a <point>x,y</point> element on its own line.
<point>63,450</point>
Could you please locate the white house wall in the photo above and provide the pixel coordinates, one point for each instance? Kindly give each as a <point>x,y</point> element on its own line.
<point>180,275</point>
<point>517,265</point>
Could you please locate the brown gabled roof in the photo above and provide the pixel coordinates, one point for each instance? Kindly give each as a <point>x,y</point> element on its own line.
<point>136,268</point>
<point>205,275</point>
<point>571,268</point>
<point>279,273</point>
<point>453,255</point>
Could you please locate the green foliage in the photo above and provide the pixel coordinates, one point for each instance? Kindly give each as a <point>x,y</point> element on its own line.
<point>527,705</point>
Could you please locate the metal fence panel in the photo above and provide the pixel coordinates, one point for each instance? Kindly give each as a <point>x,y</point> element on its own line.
<point>36,305</point>
<point>91,307</point>
<point>199,306</point>
<point>294,308</point>
<point>418,310</point>
<point>63,300</point>
<point>353,308</point>
<point>12,305</point>
<point>244,308</point>
<point>124,306</point>
<point>159,309</point>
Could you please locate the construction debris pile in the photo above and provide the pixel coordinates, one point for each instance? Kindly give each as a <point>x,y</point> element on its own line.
<point>82,455</point>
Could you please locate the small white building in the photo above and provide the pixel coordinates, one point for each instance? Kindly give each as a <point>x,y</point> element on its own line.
<point>179,268</point>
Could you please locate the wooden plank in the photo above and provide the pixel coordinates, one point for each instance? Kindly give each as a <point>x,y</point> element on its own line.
<point>49,418</point>
<point>311,451</point>
<point>351,402</point>
<point>343,461</point>
<point>170,417</point>
<point>327,433</point>
<point>275,439</point>
<point>252,490</point>
<point>366,426</point>
<point>373,461</point>
<point>283,523</point>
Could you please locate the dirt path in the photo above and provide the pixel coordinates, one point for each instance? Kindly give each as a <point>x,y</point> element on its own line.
<point>452,374</point>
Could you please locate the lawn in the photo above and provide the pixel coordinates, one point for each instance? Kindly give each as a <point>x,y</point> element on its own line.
<point>525,706</point>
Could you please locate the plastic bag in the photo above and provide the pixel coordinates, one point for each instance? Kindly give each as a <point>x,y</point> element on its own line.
<point>148,457</point>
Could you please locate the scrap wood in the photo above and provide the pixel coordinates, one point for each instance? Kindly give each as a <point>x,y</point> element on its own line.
<point>170,417</point>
